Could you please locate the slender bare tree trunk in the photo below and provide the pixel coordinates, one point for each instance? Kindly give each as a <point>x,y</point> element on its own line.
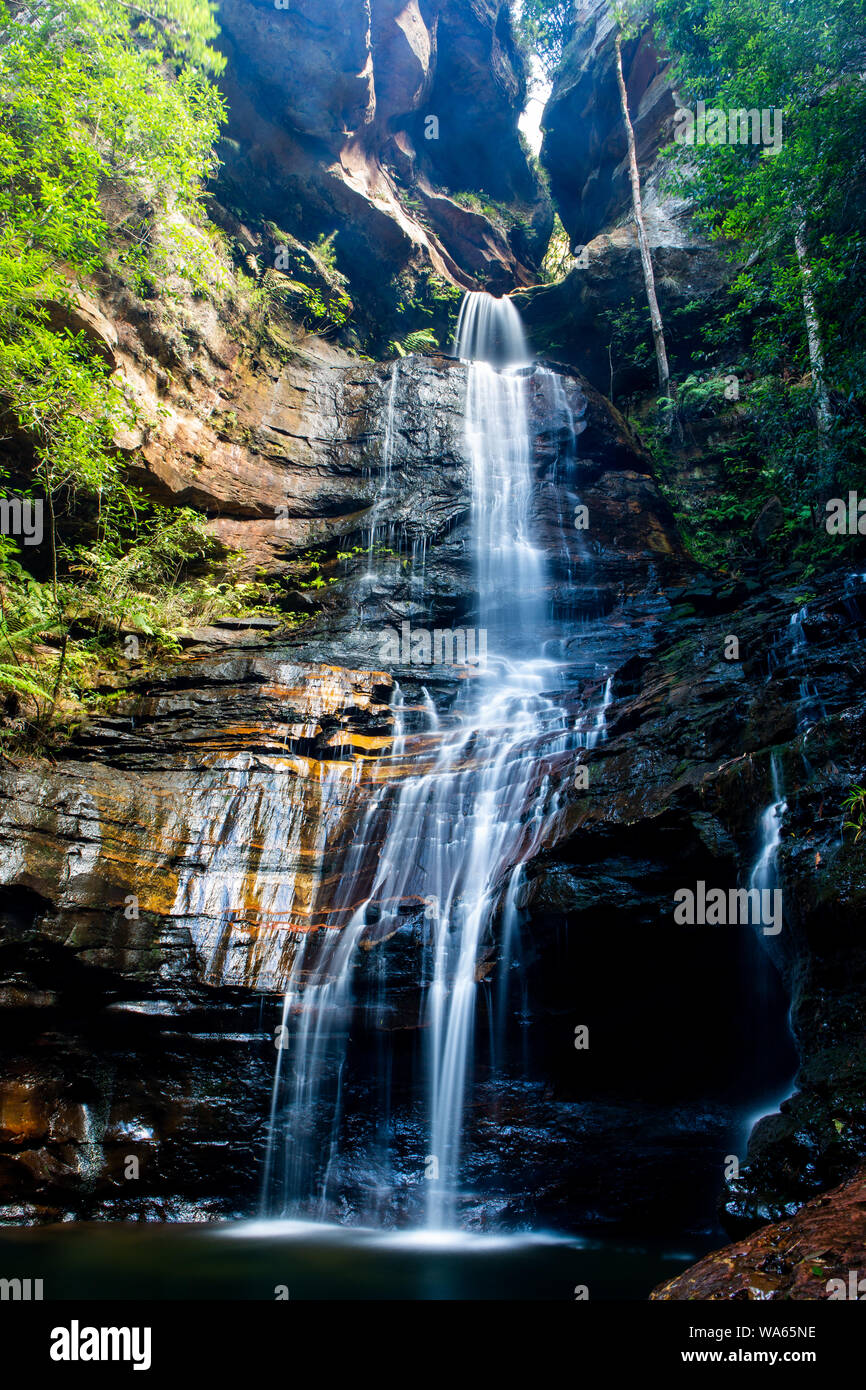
<point>642,238</point>
<point>813,331</point>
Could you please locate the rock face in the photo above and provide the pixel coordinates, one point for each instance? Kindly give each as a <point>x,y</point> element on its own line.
<point>363,118</point>
<point>585,154</point>
<point>160,876</point>
<point>584,138</point>
<point>696,746</point>
<point>316,691</point>
<point>811,1256</point>
<point>278,442</point>
<point>572,318</point>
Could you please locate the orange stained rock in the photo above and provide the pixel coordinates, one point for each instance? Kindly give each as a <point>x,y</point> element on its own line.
<point>23,1114</point>
<point>367,741</point>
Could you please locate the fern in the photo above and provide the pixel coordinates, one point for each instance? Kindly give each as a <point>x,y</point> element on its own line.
<point>19,680</point>
<point>422,340</point>
<point>855,804</point>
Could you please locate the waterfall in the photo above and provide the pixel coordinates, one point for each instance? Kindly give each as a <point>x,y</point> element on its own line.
<point>764,877</point>
<point>763,873</point>
<point>490,330</point>
<point>598,732</point>
<point>379,532</point>
<point>474,802</point>
<point>784,661</point>
<point>784,655</point>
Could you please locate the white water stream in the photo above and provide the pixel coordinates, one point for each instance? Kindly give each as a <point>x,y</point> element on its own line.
<point>458,828</point>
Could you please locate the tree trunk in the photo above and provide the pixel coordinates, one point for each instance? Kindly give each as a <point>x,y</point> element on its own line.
<point>813,331</point>
<point>642,238</point>
<point>46,716</point>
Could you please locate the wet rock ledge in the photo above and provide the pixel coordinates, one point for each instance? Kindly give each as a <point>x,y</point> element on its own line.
<point>811,1256</point>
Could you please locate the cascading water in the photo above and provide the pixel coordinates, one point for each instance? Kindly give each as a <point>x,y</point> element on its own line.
<point>490,331</point>
<point>599,729</point>
<point>785,660</point>
<point>379,530</point>
<point>764,879</point>
<point>763,875</point>
<point>473,804</point>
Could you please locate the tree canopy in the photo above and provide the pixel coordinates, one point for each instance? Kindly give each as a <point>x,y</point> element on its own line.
<point>99,100</point>
<point>545,26</point>
<point>790,216</point>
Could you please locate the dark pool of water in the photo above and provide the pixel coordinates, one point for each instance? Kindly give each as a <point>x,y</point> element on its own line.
<point>249,1260</point>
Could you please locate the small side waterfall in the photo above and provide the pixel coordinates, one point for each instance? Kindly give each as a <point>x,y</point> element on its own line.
<point>764,878</point>
<point>785,662</point>
<point>598,732</point>
<point>472,805</point>
<point>763,875</point>
<point>379,530</point>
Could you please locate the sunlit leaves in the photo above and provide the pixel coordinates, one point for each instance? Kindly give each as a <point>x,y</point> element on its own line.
<point>108,122</point>
<point>85,106</point>
<point>806,59</point>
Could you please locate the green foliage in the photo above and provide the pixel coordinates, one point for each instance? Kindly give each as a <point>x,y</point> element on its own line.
<point>699,396</point>
<point>441,292</point>
<point>325,250</point>
<point>310,566</point>
<point>499,215</point>
<point>165,574</point>
<point>557,258</point>
<point>544,27</point>
<point>854,803</point>
<point>629,339</point>
<point>19,680</point>
<point>632,16</point>
<point>311,576</point>
<point>108,119</point>
<point>21,625</point>
<point>322,310</point>
<point>761,446</point>
<point>305,282</point>
<point>425,315</point>
<point>806,60</point>
<point>119,582</point>
<point>422,340</point>
<point>86,103</point>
